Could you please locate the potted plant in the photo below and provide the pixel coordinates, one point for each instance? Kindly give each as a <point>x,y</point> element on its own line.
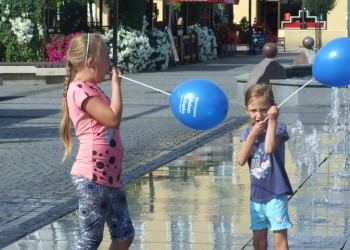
<point>245,35</point>
<point>226,37</point>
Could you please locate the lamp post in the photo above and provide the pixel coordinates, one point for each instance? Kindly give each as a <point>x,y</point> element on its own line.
<point>150,17</point>
<point>250,25</point>
<point>46,21</point>
<point>303,25</point>
<point>263,14</point>
<point>115,32</point>
<point>101,6</point>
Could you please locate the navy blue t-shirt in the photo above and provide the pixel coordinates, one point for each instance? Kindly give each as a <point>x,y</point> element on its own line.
<point>268,176</point>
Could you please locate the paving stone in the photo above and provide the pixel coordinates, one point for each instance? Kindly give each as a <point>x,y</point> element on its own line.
<point>36,188</point>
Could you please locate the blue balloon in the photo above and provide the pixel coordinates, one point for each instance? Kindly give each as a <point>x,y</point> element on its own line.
<point>331,66</point>
<point>199,104</point>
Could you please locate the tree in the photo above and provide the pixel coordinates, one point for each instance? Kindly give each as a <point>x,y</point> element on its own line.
<point>73,17</point>
<point>193,12</point>
<point>319,7</point>
<point>131,12</point>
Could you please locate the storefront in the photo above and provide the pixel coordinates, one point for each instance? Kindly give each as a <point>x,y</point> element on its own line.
<point>289,19</point>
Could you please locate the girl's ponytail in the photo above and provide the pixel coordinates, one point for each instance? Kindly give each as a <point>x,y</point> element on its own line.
<point>65,119</point>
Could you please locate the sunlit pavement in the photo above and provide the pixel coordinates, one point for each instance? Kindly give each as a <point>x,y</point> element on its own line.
<point>200,200</point>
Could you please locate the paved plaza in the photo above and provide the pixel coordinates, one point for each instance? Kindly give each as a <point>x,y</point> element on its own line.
<point>36,190</point>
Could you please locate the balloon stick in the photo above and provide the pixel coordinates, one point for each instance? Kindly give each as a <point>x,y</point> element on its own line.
<point>145,85</point>
<point>292,95</point>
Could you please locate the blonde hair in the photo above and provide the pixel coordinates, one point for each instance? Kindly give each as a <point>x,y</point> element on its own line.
<point>82,46</point>
<point>259,90</point>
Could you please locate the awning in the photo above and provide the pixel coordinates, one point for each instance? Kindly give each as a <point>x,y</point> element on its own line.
<point>207,1</point>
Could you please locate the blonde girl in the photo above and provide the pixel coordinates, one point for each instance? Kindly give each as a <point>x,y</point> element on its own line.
<point>263,147</point>
<point>96,172</point>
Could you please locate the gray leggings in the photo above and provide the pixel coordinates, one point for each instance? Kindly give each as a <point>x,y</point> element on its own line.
<point>98,205</point>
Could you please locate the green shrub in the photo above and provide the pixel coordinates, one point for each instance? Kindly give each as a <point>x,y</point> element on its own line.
<point>130,12</point>
<point>244,31</point>
<point>21,32</point>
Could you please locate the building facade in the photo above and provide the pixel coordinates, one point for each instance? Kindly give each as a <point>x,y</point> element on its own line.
<point>288,19</point>
<point>283,18</point>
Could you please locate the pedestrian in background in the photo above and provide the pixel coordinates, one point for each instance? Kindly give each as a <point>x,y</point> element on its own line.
<point>263,147</point>
<point>97,170</point>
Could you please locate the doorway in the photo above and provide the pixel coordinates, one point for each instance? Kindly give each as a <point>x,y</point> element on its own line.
<point>269,15</point>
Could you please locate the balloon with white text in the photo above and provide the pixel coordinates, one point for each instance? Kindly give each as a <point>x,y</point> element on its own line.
<point>199,104</point>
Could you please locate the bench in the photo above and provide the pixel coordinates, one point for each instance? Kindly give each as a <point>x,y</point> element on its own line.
<point>49,72</point>
<point>242,49</point>
<point>281,42</point>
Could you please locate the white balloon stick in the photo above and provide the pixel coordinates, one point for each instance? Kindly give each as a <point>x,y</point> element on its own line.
<point>145,85</point>
<point>292,95</point>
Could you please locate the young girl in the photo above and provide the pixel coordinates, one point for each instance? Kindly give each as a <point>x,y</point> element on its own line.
<point>263,147</point>
<point>96,172</point>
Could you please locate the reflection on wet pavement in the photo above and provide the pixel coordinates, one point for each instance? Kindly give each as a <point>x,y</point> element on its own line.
<point>196,202</point>
<point>201,201</point>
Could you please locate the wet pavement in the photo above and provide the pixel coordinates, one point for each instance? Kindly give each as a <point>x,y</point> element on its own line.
<point>201,201</point>
<point>184,188</point>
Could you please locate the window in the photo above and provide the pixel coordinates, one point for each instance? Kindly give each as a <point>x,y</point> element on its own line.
<point>293,16</point>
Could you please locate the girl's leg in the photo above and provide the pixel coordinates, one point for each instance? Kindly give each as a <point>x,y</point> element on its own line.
<point>279,219</point>
<point>260,239</point>
<point>119,221</point>
<point>124,245</point>
<point>280,240</point>
<point>91,219</point>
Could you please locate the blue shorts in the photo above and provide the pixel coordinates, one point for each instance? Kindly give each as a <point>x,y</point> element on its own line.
<point>98,205</point>
<point>273,213</point>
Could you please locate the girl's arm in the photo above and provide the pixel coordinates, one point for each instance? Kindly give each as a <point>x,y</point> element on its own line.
<point>272,141</point>
<point>110,116</point>
<point>246,147</point>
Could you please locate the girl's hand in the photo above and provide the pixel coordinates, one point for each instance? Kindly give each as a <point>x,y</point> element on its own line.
<point>115,75</point>
<point>258,128</point>
<point>273,113</point>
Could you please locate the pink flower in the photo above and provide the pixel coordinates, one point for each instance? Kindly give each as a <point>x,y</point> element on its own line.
<point>265,164</point>
<point>226,34</point>
<point>256,173</point>
<point>57,50</point>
